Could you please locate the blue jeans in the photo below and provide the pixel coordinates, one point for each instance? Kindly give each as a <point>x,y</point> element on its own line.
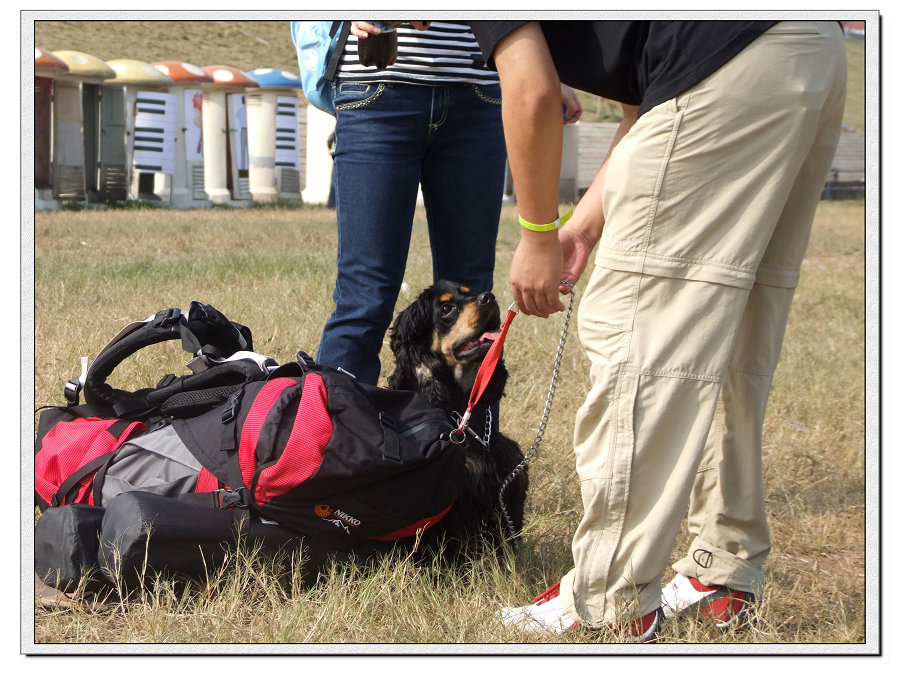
<point>390,138</point>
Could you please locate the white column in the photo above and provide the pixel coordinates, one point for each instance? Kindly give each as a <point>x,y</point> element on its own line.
<point>215,140</point>
<point>568,174</point>
<point>319,125</point>
<point>261,141</point>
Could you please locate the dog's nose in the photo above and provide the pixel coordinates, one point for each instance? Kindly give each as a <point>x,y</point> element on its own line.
<point>486,298</point>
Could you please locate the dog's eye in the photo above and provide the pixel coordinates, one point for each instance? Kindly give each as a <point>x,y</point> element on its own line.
<point>447,309</point>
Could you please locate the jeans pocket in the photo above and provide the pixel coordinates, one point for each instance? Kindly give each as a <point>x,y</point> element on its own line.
<point>489,93</point>
<point>356,94</point>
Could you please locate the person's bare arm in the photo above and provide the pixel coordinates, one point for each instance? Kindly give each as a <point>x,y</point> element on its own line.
<point>533,126</point>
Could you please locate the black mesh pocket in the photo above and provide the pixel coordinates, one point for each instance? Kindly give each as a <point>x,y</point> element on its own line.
<point>192,403</point>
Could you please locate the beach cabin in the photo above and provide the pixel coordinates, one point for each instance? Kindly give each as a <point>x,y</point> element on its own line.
<point>226,158</point>
<point>184,187</point>
<point>47,66</point>
<point>149,111</point>
<point>79,140</point>
<point>274,139</point>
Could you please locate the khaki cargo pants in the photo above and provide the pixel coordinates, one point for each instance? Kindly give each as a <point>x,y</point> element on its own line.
<point>709,200</point>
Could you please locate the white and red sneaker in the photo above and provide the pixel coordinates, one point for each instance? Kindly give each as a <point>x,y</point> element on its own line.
<point>647,629</point>
<point>723,606</point>
<point>548,614</point>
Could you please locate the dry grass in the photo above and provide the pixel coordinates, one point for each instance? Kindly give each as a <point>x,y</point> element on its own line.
<point>272,270</point>
<point>246,45</point>
<point>267,44</point>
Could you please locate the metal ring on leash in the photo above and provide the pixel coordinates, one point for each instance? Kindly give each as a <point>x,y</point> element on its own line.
<point>544,417</point>
<point>457,437</point>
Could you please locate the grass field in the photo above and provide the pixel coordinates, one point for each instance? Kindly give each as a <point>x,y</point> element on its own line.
<point>272,269</point>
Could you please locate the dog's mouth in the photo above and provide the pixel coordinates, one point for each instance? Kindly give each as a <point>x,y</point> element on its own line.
<point>477,347</point>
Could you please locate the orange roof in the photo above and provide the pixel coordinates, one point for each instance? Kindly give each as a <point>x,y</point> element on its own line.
<point>46,60</point>
<point>183,72</point>
<point>226,76</point>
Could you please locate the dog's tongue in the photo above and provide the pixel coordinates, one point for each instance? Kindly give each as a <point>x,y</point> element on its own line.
<point>491,335</point>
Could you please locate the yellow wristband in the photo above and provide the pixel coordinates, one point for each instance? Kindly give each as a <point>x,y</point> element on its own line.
<point>555,225</point>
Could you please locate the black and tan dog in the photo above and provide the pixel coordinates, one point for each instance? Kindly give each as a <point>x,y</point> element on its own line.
<point>439,343</point>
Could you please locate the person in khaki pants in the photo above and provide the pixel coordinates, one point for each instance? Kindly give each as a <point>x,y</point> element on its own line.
<point>700,218</point>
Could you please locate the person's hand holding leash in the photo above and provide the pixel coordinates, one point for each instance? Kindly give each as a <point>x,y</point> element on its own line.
<point>542,259</point>
<point>535,274</point>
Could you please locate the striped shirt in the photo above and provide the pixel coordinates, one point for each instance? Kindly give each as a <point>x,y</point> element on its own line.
<point>445,53</point>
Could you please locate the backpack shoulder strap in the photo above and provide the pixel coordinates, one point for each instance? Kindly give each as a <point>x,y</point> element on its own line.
<point>203,332</point>
<point>344,27</point>
<point>97,464</point>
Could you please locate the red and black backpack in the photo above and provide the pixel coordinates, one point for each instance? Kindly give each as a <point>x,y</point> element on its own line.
<point>301,445</point>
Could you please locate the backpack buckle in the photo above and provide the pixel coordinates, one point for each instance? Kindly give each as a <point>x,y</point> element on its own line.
<point>230,410</point>
<point>72,390</point>
<point>166,380</point>
<point>167,317</point>
<point>228,499</point>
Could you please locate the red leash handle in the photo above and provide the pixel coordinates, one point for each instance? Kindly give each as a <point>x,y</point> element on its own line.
<point>485,372</point>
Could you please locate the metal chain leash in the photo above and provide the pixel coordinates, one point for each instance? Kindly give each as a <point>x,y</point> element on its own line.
<point>488,422</point>
<point>532,451</point>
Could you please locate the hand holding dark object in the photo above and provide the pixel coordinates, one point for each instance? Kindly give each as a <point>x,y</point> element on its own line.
<point>379,48</point>
<point>362,29</point>
<point>378,41</point>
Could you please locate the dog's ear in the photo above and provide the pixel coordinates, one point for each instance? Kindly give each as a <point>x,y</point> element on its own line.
<point>417,367</point>
<point>414,324</point>
<point>410,341</point>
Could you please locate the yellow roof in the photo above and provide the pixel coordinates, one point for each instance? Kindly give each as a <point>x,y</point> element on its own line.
<point>85,65</point>
<point>130,71</point>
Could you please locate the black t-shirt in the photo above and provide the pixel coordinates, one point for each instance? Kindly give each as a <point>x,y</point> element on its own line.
<point>635,62</point>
